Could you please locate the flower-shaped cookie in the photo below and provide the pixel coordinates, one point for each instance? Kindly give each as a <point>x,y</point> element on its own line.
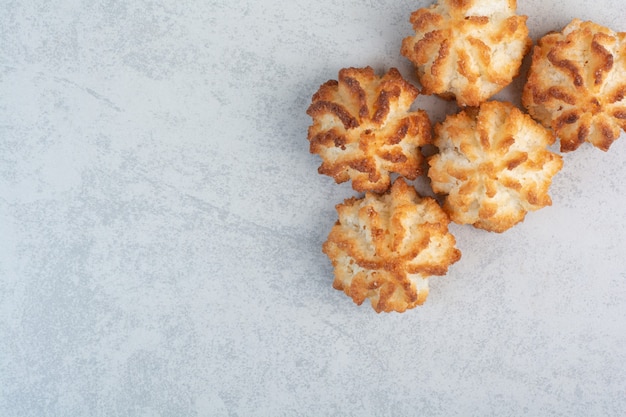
<point>577,84</point>
<point>493,165</point>
<point>468,50</point>
<point>384,247</point>
<point>363,129</point>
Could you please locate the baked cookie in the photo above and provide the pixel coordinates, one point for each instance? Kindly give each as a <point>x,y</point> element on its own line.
<point>384,247</point>
<point>467,49</point>
<point>577,84</point>
<point>493,166</point>
<point>363,129</point>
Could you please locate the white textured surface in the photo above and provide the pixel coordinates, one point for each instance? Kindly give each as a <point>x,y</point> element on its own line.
<point>161,222</point>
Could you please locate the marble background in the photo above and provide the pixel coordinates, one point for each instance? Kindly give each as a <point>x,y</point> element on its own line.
<point>161,222</point>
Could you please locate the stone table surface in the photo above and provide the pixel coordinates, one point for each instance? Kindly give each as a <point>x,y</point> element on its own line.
<point>161,223</point>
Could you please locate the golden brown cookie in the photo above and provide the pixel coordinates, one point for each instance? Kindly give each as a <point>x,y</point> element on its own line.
<point>467,49</point>
<point>493,166</point>
<point>384,247</point>
<point>577,84</point>
<point>363,129</point>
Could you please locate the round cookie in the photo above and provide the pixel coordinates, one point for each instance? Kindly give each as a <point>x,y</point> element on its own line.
<point>467,50</point>
<point>363,128</point>
<point>384,247</point>
<point>493,166</point>
<point>577,84</point>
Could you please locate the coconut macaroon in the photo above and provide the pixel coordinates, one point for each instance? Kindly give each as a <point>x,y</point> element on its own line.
<point>493,166</point>
<point>363,128</point>
<point>468,50</point>
<point>577,84</point>
<point>384,247</point>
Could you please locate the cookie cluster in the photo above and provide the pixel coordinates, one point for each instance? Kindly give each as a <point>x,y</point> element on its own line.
<point>493,163</point>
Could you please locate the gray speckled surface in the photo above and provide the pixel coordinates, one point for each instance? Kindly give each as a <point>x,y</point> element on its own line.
<point>161,222</point>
